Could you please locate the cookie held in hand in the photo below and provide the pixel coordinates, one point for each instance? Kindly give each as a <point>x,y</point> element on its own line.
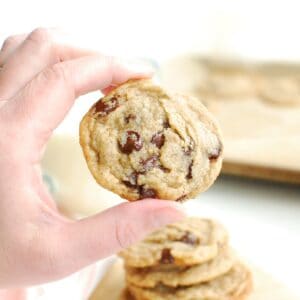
<point>140,142</point>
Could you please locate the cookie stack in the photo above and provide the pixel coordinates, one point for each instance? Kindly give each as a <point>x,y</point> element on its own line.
<point>187,260</point>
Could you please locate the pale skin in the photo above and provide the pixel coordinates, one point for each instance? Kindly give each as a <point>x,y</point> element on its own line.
<point>40,79</point>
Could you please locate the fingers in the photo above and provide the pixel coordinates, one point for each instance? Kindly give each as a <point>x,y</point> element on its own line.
<point>89,240</point>
<point>9,46</point>
<point>44,102</point>
<point>23,60</point>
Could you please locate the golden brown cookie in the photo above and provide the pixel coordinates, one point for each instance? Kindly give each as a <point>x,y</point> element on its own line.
<point>185,243</point>
<point>140,141</point>
<point>234,285</point>
<point>181,276</point>
<point>126,295</point>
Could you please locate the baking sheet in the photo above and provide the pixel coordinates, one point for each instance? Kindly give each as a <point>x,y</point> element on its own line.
<point>261,132</point>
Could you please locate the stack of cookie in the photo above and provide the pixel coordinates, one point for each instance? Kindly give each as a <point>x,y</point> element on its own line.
<point>187,260</point>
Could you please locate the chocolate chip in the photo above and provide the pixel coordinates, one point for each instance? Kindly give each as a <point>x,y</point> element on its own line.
<point>129,296</point>
<point>150,163</point>
<point>189,238</point>
<point>130,141</point>
<point>181,198</point>
<point>166,124</point>
<point>129,118</point>
<point>132,180</point>
<point>215,153</point>
<point>147,192</point>
<point>166,257</point>
<point>189,149</point>
<point>158,139</point>
<point>164,169</point>
<point>104,108</point>
<point>189,175</point>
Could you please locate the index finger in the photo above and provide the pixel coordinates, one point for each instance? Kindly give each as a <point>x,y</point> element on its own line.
<point>40,49</point>
<point>43,103</point>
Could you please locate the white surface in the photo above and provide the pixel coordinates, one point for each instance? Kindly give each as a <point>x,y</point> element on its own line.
<point>255,29</point>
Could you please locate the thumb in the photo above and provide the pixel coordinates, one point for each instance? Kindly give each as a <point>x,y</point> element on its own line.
<point>91,239</point>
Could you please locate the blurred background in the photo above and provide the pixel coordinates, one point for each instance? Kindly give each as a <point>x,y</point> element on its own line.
<point>242,58</point>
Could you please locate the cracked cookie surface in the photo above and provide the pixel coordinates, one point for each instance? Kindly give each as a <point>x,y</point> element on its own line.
<point>140,142</point>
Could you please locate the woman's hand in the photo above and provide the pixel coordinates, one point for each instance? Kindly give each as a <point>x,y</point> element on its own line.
<point>39,81</point>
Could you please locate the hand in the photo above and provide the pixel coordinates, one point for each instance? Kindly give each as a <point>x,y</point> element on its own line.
<point>39,81</point>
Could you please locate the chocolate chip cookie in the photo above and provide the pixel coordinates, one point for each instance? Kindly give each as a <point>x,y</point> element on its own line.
<point>181,276</point>
<point>184,243</point>
<point>234,285</point>
<point>140,142</point>
<point>126,295</point>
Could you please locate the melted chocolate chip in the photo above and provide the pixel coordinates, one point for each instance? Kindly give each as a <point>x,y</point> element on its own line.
<point>164,169</point>
<point>214,154</point>
<point>132,180</point>
<point>147,192</point>
<point>189,238</point>
<point>132,141</point>
<point>104,108</point>
<point>181,198</point>
<point>150,163</point>
<point>129,118</point>
<point>166,124</point>
<point>129,296</point>
<point>166,257</point>
<point>158,139</point>
<point>189,149</point>
<point>189,175</point>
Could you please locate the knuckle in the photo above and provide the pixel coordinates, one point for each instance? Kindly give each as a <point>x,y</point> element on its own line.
<point>47,262</point>
<point>46,265</point>
<point>9,42</point>
<point>40,36</point>
<point>125,234</point>
<point>55,73</point>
